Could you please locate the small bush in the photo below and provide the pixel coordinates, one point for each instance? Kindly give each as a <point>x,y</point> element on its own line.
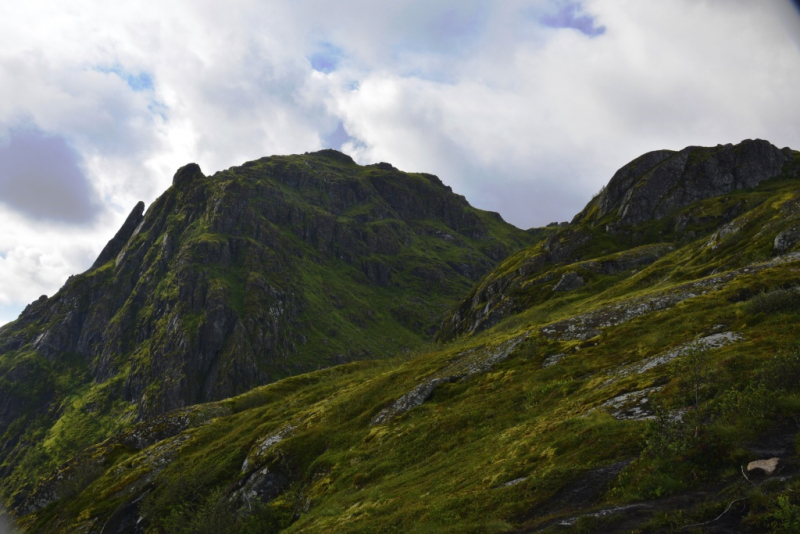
<point>783,371</point>
<point>217,514</point>
<point>786,518</point>
<point>780,301</point>
<point>79,480</point>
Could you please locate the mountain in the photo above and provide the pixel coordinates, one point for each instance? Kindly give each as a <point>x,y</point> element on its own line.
<point>621,373</point>
<point>648,207</point>
<point>281,266</point>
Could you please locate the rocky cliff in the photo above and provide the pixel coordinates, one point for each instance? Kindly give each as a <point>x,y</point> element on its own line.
<point>649,206</point>
<point>656,184</point>
<point>280,266</point>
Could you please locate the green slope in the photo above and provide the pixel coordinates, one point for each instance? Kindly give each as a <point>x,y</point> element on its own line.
<point>629,402</point>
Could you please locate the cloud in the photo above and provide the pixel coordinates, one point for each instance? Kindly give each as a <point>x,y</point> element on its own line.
<point>41,176</point>
<point>560,118</point>
<point>568,17</point>
<point>455,30</point>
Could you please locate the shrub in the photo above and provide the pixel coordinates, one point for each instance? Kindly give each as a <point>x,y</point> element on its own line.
<point>779,301</point>
<point>786,518</point>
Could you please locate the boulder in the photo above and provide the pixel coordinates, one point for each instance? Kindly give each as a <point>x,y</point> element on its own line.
<point>569,282</point>
<point>786,239</point>
<point>767,466</point>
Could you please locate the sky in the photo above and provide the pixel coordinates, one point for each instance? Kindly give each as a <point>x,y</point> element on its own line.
<point>526,107</point>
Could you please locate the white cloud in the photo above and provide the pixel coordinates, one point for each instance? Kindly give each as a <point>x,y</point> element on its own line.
<point>522,118</point>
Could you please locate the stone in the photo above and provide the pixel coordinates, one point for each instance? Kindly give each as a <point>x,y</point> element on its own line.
<point>586,325</point>
<point>552,359</point>
<point>513,482</point>
<point>767,466</point>
<point>410,400</point>
<point>786,239</point>
<point>710,342</point>
<point>633,406</point>
<point>564,245</point>
<point>569,282</point>
<point>472,362</point>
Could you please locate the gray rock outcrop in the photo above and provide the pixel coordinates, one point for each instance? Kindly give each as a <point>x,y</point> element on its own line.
<point>116,244</point>
<point>786,239</point>
<point>187,174</point>
<point>658,183</point>
<point>569,282</point>
<point>471,363</point>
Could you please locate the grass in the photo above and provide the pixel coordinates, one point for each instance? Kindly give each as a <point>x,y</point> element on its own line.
<point>443,466</point>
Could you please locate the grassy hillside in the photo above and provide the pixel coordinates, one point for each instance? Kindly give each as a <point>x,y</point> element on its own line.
<point>631,400</point>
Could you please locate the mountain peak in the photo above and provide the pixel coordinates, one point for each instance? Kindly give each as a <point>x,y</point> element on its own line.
<point>658,183</point>
<point>334,155</point>
<point>115,245</point>
<point>187,174</point>
<point>282,265</point>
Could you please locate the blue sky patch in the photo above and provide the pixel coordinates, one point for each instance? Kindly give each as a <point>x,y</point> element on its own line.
<point>141,81</point>
<point>338,137</point>
<point>10,312</point>
<point>570,16</point>
<point>327,58</point>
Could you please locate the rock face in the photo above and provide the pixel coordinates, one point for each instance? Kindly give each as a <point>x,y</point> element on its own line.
<point>657,183</point>
<point>123,235</point>
<point>469,364</point>
<point>498,296</point>
<point>649,204</point>
<point>283,265</point>
<point>569,282</point>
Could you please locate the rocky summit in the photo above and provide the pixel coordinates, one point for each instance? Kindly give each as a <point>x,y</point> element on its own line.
<point>657,183</point>
<point>303,344</point>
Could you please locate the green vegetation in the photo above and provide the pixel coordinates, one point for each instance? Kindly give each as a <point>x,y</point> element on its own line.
<point>635,398</point>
